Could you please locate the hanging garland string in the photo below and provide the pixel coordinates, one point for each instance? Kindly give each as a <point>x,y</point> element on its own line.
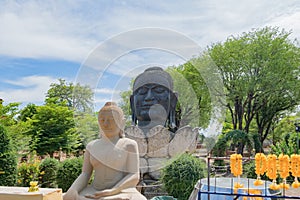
<point>236,168</point>
<point>295,169</point>
<point>260,167</point>
<point>272,170</point>
<point>284,169</point>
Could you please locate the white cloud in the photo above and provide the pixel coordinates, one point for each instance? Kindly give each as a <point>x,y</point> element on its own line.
<point>106,91</point>
<point>37,30</point>
<point>71,29</point>
<point>288,21</point>
<point>31,89</point>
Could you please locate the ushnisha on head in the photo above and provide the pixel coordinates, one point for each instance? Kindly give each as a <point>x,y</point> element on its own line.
<point>116,116</point>
<point>153,101</point>
<point>154,75</point>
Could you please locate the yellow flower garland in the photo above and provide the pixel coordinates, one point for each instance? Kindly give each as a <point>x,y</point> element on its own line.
<point>284,169</point>
<point>295,169</point>
<point>272,170</point>
<point>260,167</point>
<point>236,166</point>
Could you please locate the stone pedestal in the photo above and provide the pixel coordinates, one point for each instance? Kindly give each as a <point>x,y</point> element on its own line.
<point>21,193</point>
<point>159,145</point>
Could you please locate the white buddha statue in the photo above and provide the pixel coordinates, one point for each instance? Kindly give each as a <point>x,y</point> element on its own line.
<point>114,160</point>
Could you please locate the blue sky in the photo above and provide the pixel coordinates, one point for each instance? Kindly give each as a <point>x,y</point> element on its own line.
<point>42,41</point>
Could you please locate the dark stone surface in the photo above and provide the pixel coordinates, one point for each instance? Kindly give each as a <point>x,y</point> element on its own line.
<point>153,101</point>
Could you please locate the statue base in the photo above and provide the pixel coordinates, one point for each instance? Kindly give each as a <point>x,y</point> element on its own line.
<point>21,193</point>
<point>158,146</point>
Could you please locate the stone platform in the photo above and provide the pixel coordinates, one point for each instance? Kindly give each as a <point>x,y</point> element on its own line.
<point>21,193</point>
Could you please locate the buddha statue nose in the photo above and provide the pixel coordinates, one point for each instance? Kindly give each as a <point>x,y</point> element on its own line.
<point>149,96</point>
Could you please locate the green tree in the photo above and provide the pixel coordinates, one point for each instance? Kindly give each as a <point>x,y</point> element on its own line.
<point>125,103</point>
<point>284,126</point>
<point>87,128</point>
<point>260,71</point>
<point>8,162</point>
<point>74,96</point>
<point>16,130</point>
<point>8,113</point>
<point>20,137</point>
<point>53,128</point>
<point>27,112</point>
<point>193,94</point>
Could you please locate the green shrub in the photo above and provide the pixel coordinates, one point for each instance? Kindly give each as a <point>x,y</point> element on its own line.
<point>286,146</point>
<point>181,175</point>
<point>28,171</point>
<point>48,171</point>
<point>8,162</point>
<point>68,171</point>
<point>219,150</point>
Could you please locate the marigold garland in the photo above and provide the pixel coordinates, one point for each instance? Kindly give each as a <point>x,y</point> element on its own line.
<point>295,169</point>
<point>284,169</point>
<point>260,167</point>
<point>272,170</point>
<point>236,166</point>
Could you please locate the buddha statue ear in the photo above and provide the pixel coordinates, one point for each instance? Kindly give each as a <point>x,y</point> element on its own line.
<point>133,115</point>
<point>172,114</point>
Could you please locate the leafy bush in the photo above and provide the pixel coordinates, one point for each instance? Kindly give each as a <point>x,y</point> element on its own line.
<point>181,175</point>
<point>28,171</point>
<point>286,146</point>
<point>219,150</point>
<point>8,162</point>
<point>68,171</point>
<point>48,171</point>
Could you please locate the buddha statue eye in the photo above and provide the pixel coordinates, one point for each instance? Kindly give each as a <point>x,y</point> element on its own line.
<point>142,90</point>
<point>159,89</point>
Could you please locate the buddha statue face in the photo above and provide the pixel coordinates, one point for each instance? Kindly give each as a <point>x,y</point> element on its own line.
<point>110,119</point>
<point>153,101</point>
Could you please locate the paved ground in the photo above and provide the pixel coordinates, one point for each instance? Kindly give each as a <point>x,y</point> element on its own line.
<point>293,192</point>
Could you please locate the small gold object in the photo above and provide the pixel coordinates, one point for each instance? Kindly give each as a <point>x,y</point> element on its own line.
<point>33,186</point>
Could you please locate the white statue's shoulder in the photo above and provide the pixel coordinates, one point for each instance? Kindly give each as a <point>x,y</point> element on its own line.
<point>91,144</point>
<point>128,141</point>
<point>128,144</point>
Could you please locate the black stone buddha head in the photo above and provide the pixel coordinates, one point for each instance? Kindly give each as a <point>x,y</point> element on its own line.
<point>153,101</point>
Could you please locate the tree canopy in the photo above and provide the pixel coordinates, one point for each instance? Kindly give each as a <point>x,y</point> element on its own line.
<point>76,97</point>
<point>260,71</point>
<point>53,128</point>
